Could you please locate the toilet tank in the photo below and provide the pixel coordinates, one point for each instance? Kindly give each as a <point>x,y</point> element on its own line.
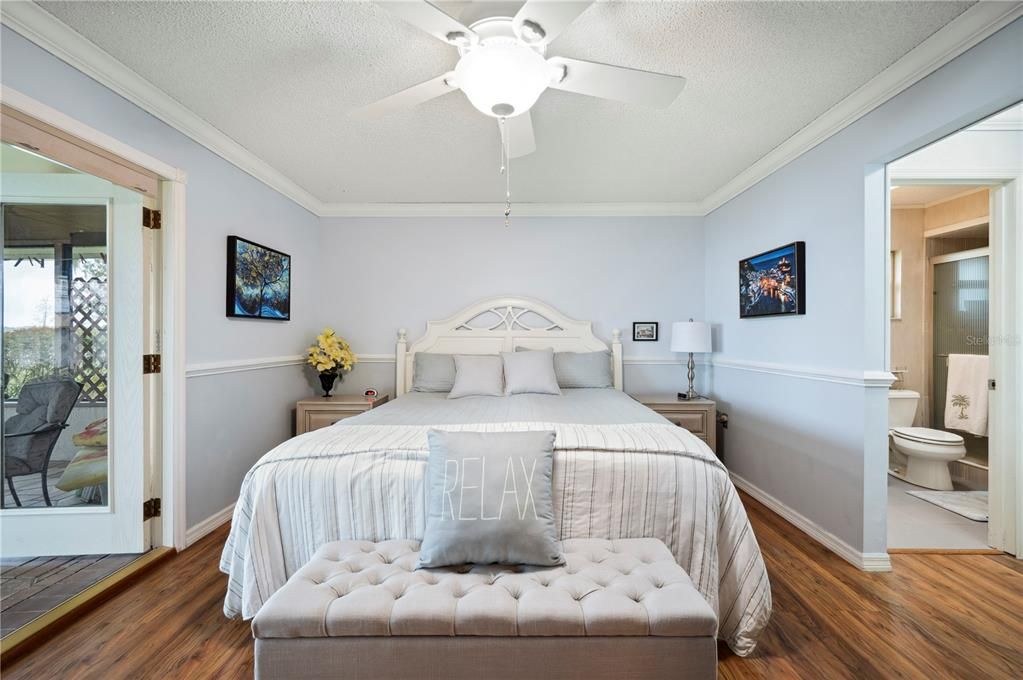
<point>902,407</point>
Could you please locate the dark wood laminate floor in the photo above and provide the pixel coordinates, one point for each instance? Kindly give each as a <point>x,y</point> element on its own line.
<point>934,616</point>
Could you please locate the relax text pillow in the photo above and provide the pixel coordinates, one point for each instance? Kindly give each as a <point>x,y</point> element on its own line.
<point>489,499</point>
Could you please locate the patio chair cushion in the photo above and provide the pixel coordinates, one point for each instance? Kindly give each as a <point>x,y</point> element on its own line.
<point>87,468</point>
<point>26,421</point>
<point>94,434</point>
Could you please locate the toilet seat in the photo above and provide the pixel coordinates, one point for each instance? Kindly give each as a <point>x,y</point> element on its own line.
<point>926,435</point>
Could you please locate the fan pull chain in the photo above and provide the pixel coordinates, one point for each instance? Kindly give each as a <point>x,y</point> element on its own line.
<point>506,170</point>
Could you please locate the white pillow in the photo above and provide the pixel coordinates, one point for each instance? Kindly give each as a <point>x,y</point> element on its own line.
<point>477,376</point>
<point>530,371</point>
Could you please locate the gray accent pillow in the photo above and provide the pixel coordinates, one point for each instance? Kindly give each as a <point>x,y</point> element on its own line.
<point>581,369</point>
<point>584,369</point>
<point>531,371</point>
<point>433,372</point>
<point>478,376</point>
<point>489,499</point>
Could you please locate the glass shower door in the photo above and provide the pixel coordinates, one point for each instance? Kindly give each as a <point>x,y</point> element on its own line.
<point>960,319</point>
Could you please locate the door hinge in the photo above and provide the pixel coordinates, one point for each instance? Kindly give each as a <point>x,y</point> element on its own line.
<point>150,509</point>
<point>991,384</point>
<point>150,363</point>
<point>151,219</point>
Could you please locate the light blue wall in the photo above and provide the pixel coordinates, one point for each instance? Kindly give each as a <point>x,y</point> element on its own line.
<point>390,273</point>
<point>815,445</point>
<point>223,438</point>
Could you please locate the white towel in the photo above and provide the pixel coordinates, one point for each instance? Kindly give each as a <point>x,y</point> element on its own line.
<point>966,396</point>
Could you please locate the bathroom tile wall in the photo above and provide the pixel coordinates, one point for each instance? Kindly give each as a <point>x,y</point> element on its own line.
<point>909,343</point>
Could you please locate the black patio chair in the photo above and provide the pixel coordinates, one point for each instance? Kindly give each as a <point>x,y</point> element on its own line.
<point>30,435</point>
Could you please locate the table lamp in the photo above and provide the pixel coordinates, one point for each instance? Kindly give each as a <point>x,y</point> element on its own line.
<point>690,336</point>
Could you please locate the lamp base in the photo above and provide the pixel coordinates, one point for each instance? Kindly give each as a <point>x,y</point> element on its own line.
<point>691,374</point>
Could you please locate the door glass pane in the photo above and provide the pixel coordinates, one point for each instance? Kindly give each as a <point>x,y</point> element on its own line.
<point>55,319</point>
<point>960,320</point>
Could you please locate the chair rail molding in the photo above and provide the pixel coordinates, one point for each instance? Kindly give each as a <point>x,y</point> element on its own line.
<point>971,27</point>
<point>263,363</point>
<point>879,379</point>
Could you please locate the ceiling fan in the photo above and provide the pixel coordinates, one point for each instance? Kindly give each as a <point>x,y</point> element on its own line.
<point>503,68</point>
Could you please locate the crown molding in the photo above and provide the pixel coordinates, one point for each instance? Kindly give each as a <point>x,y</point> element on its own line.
<point>997,126</point>
<point>969,28</point>
<point>60,40</point>
<point>496,210</point>
<point>977,23</point>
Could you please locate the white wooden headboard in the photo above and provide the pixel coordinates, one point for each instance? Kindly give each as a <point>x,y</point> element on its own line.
<point>500,325</point>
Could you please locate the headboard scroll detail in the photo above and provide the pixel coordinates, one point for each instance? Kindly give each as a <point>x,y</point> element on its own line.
<point>501,325</point>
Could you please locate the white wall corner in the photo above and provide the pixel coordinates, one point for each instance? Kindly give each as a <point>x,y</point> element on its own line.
<point>860,560</point>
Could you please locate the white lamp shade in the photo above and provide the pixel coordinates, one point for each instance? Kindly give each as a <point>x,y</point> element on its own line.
<point>690,336</point>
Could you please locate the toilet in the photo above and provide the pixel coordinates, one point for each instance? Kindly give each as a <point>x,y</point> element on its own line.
<point>921,454</point>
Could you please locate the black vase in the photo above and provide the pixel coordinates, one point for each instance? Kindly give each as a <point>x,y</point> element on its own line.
<point>327,383</point>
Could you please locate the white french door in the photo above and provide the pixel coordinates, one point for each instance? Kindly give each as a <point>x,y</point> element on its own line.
<point>103,514</point>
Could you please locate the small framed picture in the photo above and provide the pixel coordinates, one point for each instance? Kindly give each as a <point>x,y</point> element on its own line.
<point>644,331</point>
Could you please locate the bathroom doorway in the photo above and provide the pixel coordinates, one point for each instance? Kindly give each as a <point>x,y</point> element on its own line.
<point>953,439</point>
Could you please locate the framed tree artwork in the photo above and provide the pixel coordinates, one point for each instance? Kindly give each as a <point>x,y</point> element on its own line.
<point>258,281</point>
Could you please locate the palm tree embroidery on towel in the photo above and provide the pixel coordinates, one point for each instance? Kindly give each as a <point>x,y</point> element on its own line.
<point>961,402</point>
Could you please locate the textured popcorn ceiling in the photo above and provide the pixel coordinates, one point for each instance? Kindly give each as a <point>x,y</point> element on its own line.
<point>280,78</point>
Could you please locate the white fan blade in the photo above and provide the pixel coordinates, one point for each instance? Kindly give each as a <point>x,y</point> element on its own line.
<point>429,18</point>
<point>550,16</point>
<point>517,135</point>
<point>407,98</point>
<point>617,82</point>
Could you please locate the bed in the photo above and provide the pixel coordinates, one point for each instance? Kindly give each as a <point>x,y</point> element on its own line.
<point>620,471</point>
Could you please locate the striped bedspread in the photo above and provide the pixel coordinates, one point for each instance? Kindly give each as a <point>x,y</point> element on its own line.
<point>610,481</point>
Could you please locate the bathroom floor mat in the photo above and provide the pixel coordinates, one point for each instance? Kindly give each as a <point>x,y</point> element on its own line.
<point>969,504</point>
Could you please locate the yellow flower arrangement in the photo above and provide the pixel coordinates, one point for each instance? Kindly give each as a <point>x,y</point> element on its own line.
<point>331,353</point>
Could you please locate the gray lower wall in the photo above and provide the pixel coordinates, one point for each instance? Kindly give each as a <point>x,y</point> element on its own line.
<point>233,419</point>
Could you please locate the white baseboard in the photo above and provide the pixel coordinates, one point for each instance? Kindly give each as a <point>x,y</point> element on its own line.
<point>860,560</point>
<point>217,519</point>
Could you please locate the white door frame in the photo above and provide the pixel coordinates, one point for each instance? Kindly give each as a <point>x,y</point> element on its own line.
<point>171,532</point>
<point>1005,451</point>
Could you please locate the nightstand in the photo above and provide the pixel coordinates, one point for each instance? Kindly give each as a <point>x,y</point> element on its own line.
<point>312,414</point>
<point>699,416</point>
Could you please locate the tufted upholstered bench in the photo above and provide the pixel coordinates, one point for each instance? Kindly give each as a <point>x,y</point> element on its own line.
<point>358,610</point>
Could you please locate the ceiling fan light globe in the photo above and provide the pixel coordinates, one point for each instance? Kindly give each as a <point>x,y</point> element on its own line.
<point>502,79</point>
